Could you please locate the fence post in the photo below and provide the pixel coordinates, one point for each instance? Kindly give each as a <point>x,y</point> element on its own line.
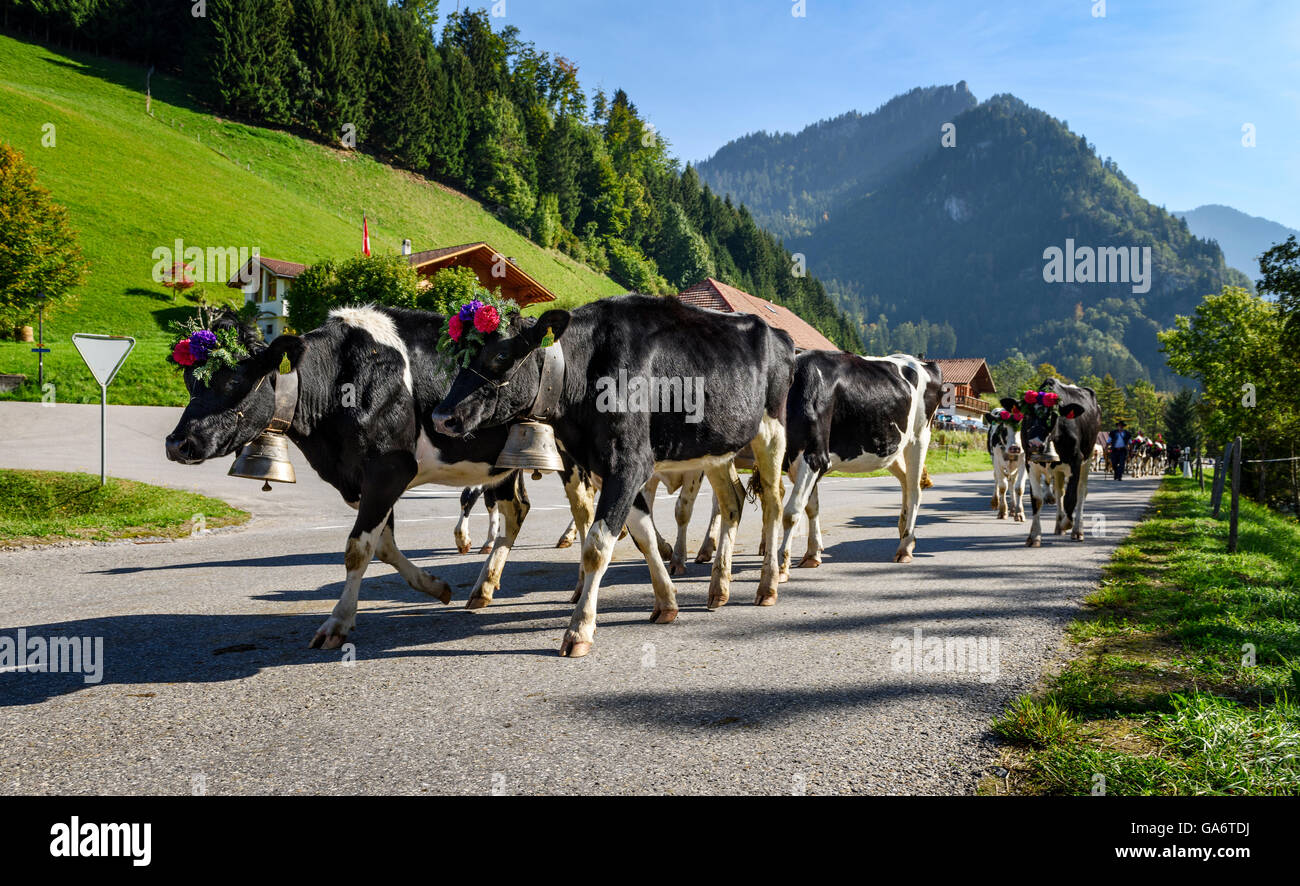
<point>1216,494</point>
<point>1200,469</point>
<point>1236,493</point>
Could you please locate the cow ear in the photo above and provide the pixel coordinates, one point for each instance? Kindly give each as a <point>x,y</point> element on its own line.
<point>1072,410</point>
<point>272,357</point>
<point>986,419</point>
<point>551,324</point>
<point>1009,403</point>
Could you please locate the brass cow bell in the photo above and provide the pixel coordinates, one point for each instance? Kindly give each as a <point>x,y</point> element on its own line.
<point>531,445</point>
<point>265,458</point>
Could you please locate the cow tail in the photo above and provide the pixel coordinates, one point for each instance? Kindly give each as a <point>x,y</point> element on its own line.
<point>751,492</point>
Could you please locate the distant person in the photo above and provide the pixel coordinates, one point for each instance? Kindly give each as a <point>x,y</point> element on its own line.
<point>1119,440</point>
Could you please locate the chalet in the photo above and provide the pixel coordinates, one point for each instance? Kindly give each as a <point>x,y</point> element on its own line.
<point>970,377</point>
<point>718,296</point>
<point>271,279</point>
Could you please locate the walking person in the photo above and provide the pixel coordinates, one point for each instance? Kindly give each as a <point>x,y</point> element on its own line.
<point>1119,440</point>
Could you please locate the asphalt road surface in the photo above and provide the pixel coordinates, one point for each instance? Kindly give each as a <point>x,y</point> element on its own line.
<point>208,684</point>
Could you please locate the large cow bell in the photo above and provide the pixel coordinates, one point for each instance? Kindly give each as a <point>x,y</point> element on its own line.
<point>265,458</point>
<point>531,446</point>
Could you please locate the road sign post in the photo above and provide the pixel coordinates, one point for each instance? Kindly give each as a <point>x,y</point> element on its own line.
<point>104,356</point>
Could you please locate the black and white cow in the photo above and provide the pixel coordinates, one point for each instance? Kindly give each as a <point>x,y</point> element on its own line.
<point>368,380</point>
<point>737,364</point>
<point>1058,442</point>
<point>1008,469</point>
<point>857,414</point>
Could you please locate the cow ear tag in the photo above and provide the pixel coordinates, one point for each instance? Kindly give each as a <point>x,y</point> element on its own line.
<point>284,364</point>
<point>548,339</point>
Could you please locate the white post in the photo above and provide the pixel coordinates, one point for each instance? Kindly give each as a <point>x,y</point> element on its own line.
<point>103,433</point>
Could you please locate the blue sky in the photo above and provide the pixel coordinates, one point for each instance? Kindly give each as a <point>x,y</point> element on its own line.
<point>1163,87</point>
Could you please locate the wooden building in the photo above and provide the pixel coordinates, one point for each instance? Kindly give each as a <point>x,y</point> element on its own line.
<point>271,279</point>
<point>718,296</point>
<point>970,377</point>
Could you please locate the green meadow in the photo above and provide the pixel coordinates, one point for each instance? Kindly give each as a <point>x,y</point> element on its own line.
<point>133,181</point>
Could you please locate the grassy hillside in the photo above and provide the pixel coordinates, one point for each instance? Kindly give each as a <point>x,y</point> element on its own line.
<point>133,182</point>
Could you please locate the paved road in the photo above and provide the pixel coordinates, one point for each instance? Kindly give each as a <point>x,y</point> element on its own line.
<point>208,679</point>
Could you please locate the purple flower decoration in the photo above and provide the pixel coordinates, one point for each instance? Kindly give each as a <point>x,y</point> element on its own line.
<point>467,312</point>
<point>201,344</point>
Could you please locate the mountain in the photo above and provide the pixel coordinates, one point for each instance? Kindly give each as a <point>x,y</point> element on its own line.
<point>946,249</point>
<point>1242,237</point>
<point>790,180</point>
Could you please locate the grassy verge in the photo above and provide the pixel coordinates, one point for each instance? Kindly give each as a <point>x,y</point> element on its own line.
<point>1187,673</point>
<point>43,507</point>
<point>940,461</point>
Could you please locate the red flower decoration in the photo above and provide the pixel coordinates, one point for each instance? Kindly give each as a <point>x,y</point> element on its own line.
<point>1031,397</point>
<point>181,353</point>
<point>1017,415</point>
<point>486,319</point>
<point>455,327</point>
<point>1050,399</point>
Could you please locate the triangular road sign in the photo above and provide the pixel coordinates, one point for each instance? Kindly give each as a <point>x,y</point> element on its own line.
<point>104,354</point>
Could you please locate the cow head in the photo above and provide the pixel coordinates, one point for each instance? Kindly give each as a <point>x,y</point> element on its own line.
<point>1043,411</point>
<point>1004,427</point>
<point>500,382</point>
<point>235,404</point>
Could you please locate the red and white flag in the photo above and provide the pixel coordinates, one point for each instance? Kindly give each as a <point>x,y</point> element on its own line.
<point>365,236</point>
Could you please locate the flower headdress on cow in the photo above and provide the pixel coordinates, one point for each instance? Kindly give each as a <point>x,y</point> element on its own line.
<point>468,328</point>
<point>205,349</point>
<point>1005,416</point>
<point>1046,405</point>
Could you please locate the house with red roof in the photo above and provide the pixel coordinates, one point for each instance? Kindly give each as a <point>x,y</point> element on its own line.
<point>718,296</point>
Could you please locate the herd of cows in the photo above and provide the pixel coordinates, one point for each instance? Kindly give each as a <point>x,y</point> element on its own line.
<point>413,418</point>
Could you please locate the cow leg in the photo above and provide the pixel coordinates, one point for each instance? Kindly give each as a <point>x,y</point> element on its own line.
<point>805,480</point>
<point>1036,484</point>
<point>468,496</point>
<point>512,502</point>
<point>569,536</point>
<point>616,497</point>
<point>812,558</point>
<point>642,527</point>
<point>383,480</point>
<point>494,520</point>
<point>914,455</point>
<point>710,543</point>
<point>1000,489</point>
<point>1018,494</point>
<point>1062,508</point>
<point>769,452</point>
<point>731,498</point>
<point>582,504</point>
<point>1075,499</point>
<point>388,552</point>
<point>682,511</point>
<point>661,544</point>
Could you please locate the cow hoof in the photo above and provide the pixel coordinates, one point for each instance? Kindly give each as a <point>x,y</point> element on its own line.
<point>808,562</point>
<point>565,542</point>
<point>702,557</point>
<point>331,635</point>
<point>463,549</point>
<point>486,549</point>
<point>1076,536</point>
<point>717,601</point>
<point>478,601</point>
<point>1033,542</point>
<point>765,598</point>
<point>676,567</point>
<point>572,647</point>
<point>663,616</point>
<point>902,557</point>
